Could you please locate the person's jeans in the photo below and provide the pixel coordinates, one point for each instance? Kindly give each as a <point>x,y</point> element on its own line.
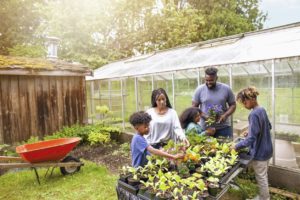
<point>224,132</point>
<point>261,176</point>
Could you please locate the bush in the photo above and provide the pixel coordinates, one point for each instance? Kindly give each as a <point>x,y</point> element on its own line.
<point>92,134</point>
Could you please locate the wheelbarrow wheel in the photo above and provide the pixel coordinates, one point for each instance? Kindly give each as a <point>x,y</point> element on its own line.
<point>71,169</point>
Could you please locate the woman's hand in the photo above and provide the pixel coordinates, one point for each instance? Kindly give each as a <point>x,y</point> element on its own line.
<point>186,142</point>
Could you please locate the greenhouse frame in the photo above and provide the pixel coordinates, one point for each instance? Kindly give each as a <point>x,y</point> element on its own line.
<point>268,59</point>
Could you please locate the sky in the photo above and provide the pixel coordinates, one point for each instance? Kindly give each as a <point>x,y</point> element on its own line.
<point>280,12</point>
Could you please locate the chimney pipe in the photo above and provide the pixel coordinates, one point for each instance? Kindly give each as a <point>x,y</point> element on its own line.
<point>52,44</point>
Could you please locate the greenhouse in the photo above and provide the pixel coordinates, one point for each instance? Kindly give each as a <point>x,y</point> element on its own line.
<point>267,59</point>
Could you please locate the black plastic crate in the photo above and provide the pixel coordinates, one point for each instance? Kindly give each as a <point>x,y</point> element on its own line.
<point>131,189</point>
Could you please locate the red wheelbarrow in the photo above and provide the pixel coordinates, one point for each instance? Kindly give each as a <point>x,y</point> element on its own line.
<point>50,153</point>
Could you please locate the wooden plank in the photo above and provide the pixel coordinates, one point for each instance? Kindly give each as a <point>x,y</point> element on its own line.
<point>83,103</point>
<point>288,194</point>
<point>40,106</point>
<point>10,158</point>
<point>60,101</point>
<point>74,89</point>
<point>49,164</point>
<point>32,107</point>
<point>1,116</point>
<point>24,128</point>
<point>6,109</point>
<point>15,109</point>
<point>53,109</point>
<point>67,102</point>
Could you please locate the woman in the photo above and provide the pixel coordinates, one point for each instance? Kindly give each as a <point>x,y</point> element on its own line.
<point>165,123</point>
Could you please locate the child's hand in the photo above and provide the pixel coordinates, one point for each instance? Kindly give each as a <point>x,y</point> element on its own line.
<point>232,146</point>
<point>210,131</point>
<point>245,133</point>
<point>179,156</point>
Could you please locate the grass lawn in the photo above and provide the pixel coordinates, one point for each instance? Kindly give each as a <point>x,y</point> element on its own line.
<point>91,182</point>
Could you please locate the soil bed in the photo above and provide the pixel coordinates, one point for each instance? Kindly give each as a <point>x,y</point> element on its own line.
<point>109,155</point>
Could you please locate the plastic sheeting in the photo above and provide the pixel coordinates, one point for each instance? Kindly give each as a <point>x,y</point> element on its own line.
<point>249,49</point>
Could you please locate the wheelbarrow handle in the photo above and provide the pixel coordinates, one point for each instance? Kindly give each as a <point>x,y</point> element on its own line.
<point>10,158</point>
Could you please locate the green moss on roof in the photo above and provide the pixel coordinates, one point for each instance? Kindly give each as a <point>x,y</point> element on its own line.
<point>24,63</point>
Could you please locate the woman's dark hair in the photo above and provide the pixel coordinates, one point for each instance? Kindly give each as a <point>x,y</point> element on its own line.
<point>140,117</point>
<point>211,71</point>
<point>156,93</point>
<point>188,115</point>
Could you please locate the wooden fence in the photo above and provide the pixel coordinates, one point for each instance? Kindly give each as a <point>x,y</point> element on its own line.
<point>39,105</point>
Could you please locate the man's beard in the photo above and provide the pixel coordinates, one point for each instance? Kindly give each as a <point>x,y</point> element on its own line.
<point>212,86</point>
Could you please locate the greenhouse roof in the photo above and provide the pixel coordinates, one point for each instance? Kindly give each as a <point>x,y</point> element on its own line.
<point>246,49</point>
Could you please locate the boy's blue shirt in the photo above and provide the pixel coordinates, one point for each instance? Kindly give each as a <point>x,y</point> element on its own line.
<point>139,151</point>
<point>259,136</point>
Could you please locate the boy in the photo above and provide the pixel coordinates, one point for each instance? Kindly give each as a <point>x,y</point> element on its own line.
<point>258,139</point>
<point>139,146</point>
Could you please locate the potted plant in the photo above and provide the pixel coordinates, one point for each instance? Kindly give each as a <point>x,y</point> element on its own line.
<point>213,114</point>
<point>134,179</point>
<point>213,185</point>
<point>124,173</point>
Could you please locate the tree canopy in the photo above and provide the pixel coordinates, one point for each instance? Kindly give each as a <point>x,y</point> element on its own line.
<point>98,32</point>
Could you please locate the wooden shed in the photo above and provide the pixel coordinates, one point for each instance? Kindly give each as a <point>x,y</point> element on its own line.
<point>38,97</point>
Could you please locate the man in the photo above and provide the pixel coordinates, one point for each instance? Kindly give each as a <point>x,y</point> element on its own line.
<point>213,94</point>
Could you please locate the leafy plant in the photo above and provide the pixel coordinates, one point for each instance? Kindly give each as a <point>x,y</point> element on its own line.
<point>96,138</point>
<point>213,112</point>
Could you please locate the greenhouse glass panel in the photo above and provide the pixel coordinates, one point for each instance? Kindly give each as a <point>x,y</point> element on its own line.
<point>263,85</point>
<point>184,89</point>
<point>287,113</point>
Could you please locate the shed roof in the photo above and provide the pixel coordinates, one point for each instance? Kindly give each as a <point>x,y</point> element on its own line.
<point>36,66</point>
<point>263,45</point>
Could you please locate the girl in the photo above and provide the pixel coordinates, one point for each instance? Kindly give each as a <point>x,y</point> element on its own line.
<point>189,120</point>
<point>258,139</point>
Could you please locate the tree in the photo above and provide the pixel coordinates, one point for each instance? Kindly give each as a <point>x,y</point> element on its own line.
<point>19,20</point>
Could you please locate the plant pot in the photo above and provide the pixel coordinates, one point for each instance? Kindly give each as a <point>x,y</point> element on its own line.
<point>167,196</point>
<point>213,189</point>
<point>142,189</point>
<point>144,178</point>
<point>203,173</point>
<point>204,195</point>
<point>124,177</point>
<point>150,194</point>
<point>133,182</point>
<point>186,175</point>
